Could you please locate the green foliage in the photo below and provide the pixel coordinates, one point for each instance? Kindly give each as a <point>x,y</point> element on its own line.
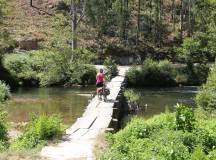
<point>39,130</point>
<point>3,126</point>
<point>3,131</point>
<point>133,76</point>
<point>148,140</point>
<point>56,39</point>
<point>184,118</point>
<point>52,67</point>
<point>164,137</point>
<point>152,73</point>
<point>192,51</point>
<point>82,74</point>
<point>212,155</point>
<point>206,97</point>
<point>193,74</point>
<point>132,96</point>
<point>4,92</point>
<point>99,14</point>
<point>2,6</point>
<point>40,66</point>
<point>162,73</point>
<point>62,6</point>
<point>111,67</point>
<point>157,73</point>
<point>6,76</point>
<point>198,154</point>
<point>19,65</point>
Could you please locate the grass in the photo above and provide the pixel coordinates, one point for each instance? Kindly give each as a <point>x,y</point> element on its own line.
<point>32,154</point>
<point>24,21</point>
<point>100,144</point>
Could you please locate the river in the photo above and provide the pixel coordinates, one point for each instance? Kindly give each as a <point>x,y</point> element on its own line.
<point>70,103</point>
<point>158,100</point>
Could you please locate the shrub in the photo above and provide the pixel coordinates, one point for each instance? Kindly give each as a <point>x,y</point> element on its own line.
<point>82,74</point>
<point>3,131</point>
<point>88,75</point>
<point>181,78</point>
<point>111,67</point>
<point>152,73</point>
<point>6,76</point>
<point>19,65</point>
<point>158,138</point>
<point>197,74</point>
<point>133,76</point>
<point>48,68</point>
<point>131,96</point>
<point>192,50</point>
<point>4,92</point>
<point>198,154</point>
<point>212,155</point>
<point>3,126</point>
<point>62,6</point>
<point>155,138</point>
<point>39,130</point>
<point>185,119</point>
<point>206,98</point>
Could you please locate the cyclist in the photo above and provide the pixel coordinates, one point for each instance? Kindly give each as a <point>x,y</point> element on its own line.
<point>100,79</point>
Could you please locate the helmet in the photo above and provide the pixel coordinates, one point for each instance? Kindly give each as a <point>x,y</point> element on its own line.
<point>101,70</point>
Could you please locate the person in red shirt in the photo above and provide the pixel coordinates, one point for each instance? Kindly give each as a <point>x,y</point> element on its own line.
<point>100,79</point>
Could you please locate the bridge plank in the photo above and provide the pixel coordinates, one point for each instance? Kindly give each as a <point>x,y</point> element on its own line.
<point>83,133</point>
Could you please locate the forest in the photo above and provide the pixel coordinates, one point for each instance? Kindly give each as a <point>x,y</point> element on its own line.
<point>49,54</point>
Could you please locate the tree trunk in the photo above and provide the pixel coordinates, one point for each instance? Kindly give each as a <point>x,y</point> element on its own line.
<point>157,18</point>
<point>74,39</point>
<point>125,21</point>
<point>74,25</point>
<point>31,3</point>
<point>189,18</point>
<point>150,21</point>
<point>159,23</point>
<point>173,14</point>
<point>138,23</point>
<point>121,19</point>
<point>181,20</point>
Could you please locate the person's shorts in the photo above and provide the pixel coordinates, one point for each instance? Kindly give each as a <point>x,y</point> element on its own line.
<point>100,84</point>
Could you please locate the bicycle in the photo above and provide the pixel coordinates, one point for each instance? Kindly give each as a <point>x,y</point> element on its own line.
<point>103,92</point>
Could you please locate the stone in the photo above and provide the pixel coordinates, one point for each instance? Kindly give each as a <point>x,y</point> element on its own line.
<point>27,44</point>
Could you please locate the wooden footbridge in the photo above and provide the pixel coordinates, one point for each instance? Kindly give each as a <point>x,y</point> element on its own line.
<point>80,138</point>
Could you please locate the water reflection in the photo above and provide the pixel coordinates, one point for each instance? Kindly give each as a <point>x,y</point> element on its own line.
<point>70,103</point>
<point>158,100</point>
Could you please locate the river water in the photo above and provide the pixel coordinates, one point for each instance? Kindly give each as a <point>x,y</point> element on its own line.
<point>70,103</point>
<point>158,100</point>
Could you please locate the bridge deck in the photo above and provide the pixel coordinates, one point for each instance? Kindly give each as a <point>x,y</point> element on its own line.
<point>80,137</point>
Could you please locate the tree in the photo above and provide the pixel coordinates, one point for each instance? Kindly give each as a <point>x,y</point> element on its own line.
<point>77,13</point>
<point>138,22</point>
<point>173,14</point>
<point>2,6</point>
<point>31,3</point>
<point>100,15</point>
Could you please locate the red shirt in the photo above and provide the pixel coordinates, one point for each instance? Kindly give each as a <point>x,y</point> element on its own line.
<point>99,77</point>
